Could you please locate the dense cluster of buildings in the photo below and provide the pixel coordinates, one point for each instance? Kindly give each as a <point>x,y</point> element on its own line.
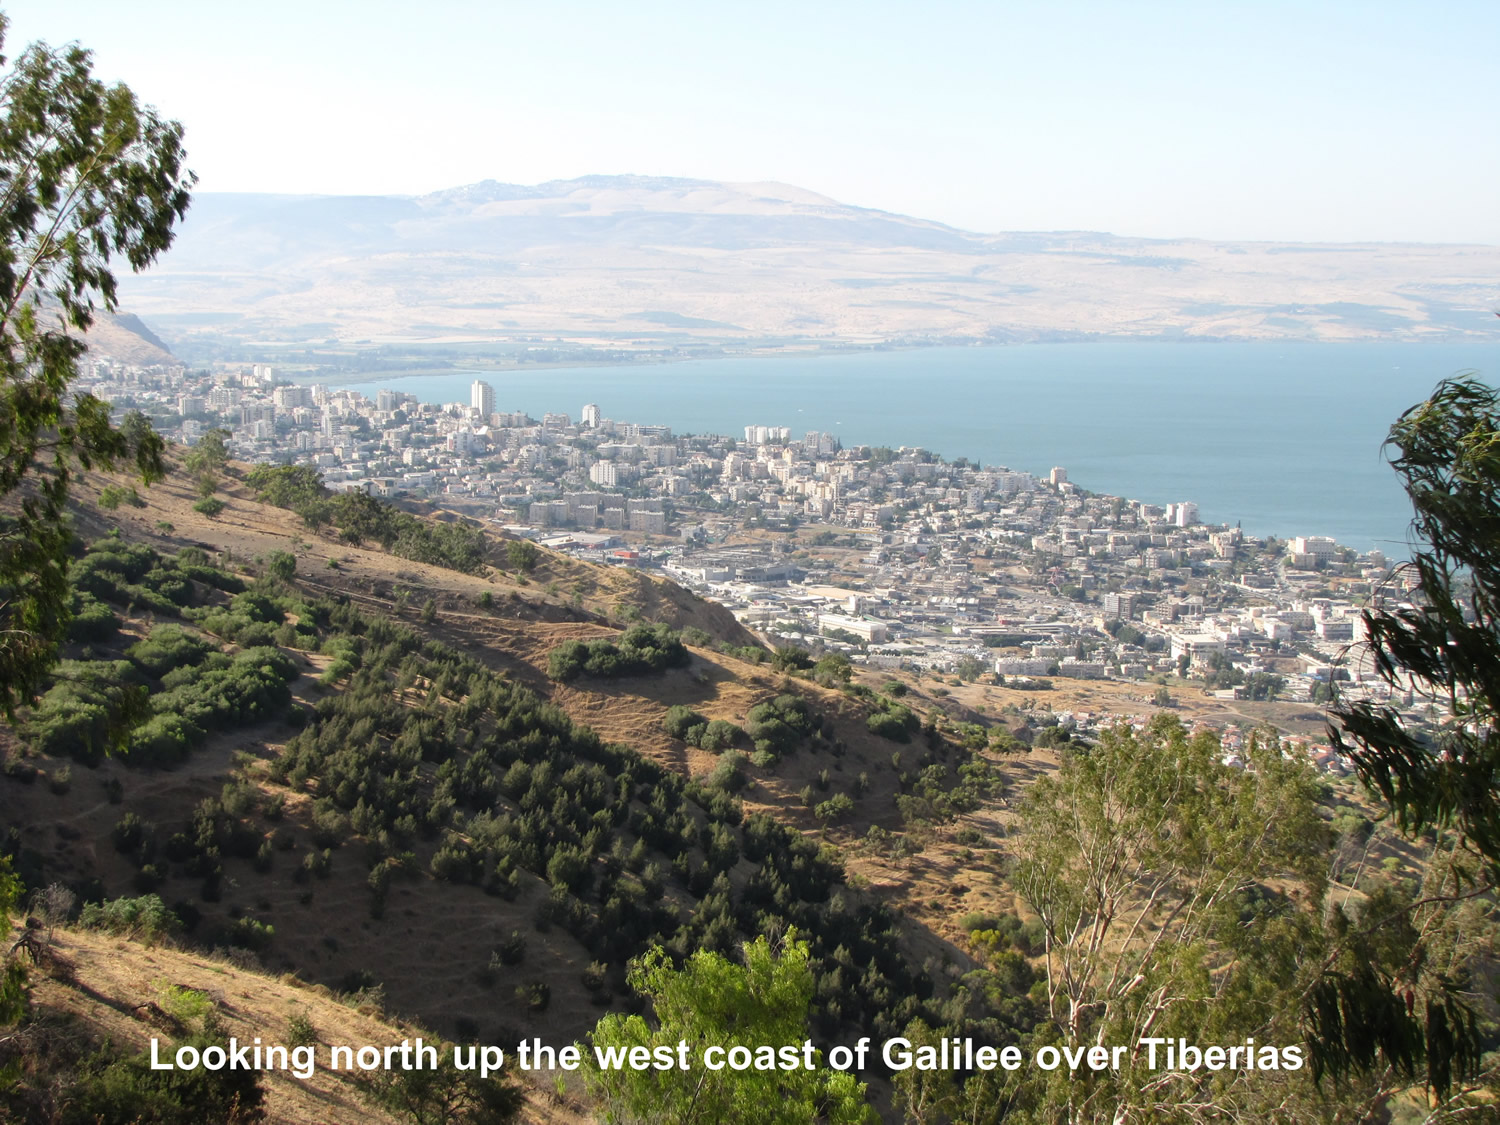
<point>911,561</point>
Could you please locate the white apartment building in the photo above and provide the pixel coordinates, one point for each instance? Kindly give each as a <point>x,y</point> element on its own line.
<point>482,398</point>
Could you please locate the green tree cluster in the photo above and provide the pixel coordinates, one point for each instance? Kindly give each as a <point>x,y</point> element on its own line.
<point>357,518</point>
<point>714,1002</point>
<point>92,178</point>
<point>642,649</point>
<point>706,734</point>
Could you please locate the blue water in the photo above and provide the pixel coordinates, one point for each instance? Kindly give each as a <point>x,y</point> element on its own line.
<point>1283,437</point>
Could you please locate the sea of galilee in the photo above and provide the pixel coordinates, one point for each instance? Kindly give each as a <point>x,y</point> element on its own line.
<point>1282,437</point>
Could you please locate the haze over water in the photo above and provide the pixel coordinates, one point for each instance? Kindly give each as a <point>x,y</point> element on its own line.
<point>1283,437</point>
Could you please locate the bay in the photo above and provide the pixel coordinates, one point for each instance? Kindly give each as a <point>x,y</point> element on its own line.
<point>1283,437</point>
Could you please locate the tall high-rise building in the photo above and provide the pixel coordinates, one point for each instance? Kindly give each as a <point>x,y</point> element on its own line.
<point>591,416</point>
<point>482,398</point>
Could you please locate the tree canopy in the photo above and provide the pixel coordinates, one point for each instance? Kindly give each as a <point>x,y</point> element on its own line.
<point>714,1002</point>
<point>88,177</point>
<point>1439,638</point>
<point>1445,642</point>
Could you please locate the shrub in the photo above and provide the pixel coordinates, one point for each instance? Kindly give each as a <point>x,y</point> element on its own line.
<point>720,734</point>
<point>209,506</point>
<point>790,659</point>
<point>113,1088</point>
<point>680,720</point>
<point>146,918</point>
<point>168,647</point>
<point>129,833</point>
<point>536,995</point>
<point>835,808</point>
<point>780,724</point>
<point>282,565</point>
<point>111,496</point>
<point>512,949</point>
<point>641,649</point>
<point>833,669</point>
<point>522,554</point>
<point>300,1031</point>
<point>896,722</point>
<point>93,621</point>
<point>728,773</point>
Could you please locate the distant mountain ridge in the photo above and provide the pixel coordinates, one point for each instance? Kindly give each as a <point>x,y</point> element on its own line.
<point>755,265</point>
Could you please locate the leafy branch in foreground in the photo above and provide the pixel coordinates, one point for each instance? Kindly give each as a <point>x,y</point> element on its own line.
<point>1445,642</point>
<point>1442,644</point>
<point>87,175</point>
<point>713,1002</point>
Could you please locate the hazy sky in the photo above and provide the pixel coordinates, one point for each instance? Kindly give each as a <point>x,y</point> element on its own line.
<point>1299,120</point>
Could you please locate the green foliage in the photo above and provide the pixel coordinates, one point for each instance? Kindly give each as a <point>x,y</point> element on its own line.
<point>92,177</point>
<point>251,687</point>
<point>522,554</point>
<point>282,566</point>
<point>835,809</point>
<point>833,669</point>
<point>712,735</point>
<point>728,773</point>
<point>720,734</point>
<point>300,1031</point>
<point>751,654</point>
<point>1146,862</point>
<point>894,721</point>
<point>146,918</point>
<point>712,1001</point>
<point>111,496</point>
<point>359,518</point>
<point>93,621</point>
<point>1448,639</point>
<point>12,973</point>
<point>186,1005</point>
<point>778,726</point>
<point>788,658</point>
<point>208,455</point>
<point>116,1090</point>
<point>680,720</point>
<point>445,1095</point>
<point>88,711</point>
<point>209,506</point>
<point>1445,641</point>
<point>168,647</point>
<point>512,948</point>
<point>642,649</point>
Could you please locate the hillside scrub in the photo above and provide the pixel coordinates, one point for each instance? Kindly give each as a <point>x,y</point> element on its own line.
<point>712,735</point>
<point>422,746</point>
<point>642,649</point>
<point>356,518</point>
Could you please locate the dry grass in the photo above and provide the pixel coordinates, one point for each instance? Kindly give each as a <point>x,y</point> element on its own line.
<point>111,988</point>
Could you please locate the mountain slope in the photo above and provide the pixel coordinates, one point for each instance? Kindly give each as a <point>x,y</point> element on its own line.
<point>426,795</point>
<point>632,262</point>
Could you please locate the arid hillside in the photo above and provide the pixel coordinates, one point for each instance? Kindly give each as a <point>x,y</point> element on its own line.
<point>624,264</point>
<point>368,772</point>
